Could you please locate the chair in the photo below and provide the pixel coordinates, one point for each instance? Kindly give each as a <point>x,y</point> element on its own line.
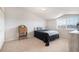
<point>22,29</point>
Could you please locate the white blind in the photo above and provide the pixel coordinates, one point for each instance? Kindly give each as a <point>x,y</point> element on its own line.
<point>68,21</point>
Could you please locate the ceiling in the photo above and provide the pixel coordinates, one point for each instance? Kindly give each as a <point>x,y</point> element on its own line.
<point>47,12</point>
<point>53,12</point>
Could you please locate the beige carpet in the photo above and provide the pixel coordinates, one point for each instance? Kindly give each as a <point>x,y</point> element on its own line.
<point>35,45</point>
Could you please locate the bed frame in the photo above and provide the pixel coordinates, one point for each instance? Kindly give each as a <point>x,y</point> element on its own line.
<point>45,37</point>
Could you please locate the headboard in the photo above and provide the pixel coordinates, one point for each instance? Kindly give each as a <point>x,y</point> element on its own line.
<point>39,28</point>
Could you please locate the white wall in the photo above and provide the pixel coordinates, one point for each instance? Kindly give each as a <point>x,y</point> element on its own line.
<point>51,24</point>
<point>1,28</point>
<point>19,16</point>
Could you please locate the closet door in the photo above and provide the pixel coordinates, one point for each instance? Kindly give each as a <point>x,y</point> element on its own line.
<point>1,28</point>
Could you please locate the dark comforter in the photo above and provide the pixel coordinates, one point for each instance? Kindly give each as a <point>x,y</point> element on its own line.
<point>46,36</point>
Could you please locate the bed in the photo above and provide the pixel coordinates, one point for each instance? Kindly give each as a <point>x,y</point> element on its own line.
<point>46,35</point>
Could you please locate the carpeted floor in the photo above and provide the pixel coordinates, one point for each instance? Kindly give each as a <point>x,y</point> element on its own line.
<point>35,45</point>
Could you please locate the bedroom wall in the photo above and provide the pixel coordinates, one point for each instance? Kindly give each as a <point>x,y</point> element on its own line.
<point>19,16</point>
<point>51,24</point>
<point>2,30</point>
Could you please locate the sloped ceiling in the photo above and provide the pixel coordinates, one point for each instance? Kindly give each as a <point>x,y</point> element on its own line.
<point>49,12</point>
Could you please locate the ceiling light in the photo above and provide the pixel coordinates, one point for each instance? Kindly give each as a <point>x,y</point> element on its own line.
<point>43,9</point>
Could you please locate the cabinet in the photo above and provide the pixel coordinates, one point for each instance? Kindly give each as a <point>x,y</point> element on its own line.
<point>74,41</point>
<point>22,29</point>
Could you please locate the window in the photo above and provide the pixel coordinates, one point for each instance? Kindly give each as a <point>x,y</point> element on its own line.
<point>68,21</point>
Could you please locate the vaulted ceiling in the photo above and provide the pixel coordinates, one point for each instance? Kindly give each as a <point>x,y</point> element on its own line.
<point>49,12</point>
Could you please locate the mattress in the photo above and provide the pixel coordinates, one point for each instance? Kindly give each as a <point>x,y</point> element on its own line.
<point>51,32</point>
